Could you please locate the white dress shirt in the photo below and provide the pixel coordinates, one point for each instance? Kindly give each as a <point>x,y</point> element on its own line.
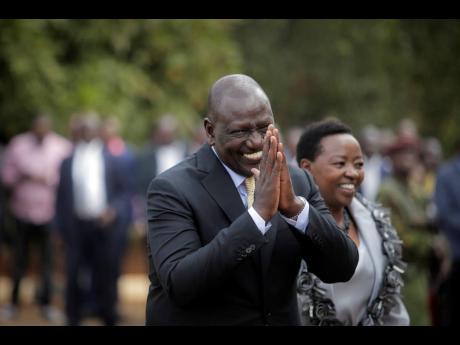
<point>302,219</point>
<point>169,155</point>
<point>88,176</point>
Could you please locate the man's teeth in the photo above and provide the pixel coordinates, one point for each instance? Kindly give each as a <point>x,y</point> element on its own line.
<point>348,186</point>
<point>255,155</point>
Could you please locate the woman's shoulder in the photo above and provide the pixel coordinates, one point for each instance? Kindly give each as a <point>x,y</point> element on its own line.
<point>375,209</point>
<point>375,213</point>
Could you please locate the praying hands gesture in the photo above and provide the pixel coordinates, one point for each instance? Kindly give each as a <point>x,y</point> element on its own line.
<point>274,189</point>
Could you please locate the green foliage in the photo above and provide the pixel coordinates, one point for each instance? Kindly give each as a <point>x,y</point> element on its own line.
<point>329,68</point>
<point>135,70</point>
<point>361,71</point>
<point>436,76</point>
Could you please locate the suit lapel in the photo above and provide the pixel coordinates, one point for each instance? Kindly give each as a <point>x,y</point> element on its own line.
<point>221,188</point>
<point>219,184</point>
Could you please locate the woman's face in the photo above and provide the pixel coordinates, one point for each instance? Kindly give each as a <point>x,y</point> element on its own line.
<point>337,170</point>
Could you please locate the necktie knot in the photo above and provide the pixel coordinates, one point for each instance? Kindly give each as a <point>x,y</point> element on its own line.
<point>250,184</point>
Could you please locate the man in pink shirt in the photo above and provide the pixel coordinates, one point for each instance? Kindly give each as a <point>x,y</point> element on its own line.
<point>30,170</point>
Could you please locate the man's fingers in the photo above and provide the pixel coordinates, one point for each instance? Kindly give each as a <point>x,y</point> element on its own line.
<point>271,154</point>
<point>278,163</point>
<point>281,149</point>
<point>265,150</point>
<point>276,133</point>
<point>284,163</point>
<point>256,173</point>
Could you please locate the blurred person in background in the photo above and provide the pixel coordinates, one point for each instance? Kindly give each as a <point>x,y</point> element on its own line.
<point>371,144</point>
<point>329,151</point>
<point>409,217</point>
<point>432,156</point>
<point>422,183</point>
<point>3,209</point>
<point>30,171</point>
<point>125,159</point>
<point>407,129</point>
<point>447,199</point>
<point>75,128</point>
<point>292,138</point>
<point>163,151</point>
<point>197,140</point>
<point>2,193</point>
<point>387,138</point>
<point>92,197</point>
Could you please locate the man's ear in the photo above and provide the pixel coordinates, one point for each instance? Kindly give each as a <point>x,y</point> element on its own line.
<point>209,128</point>
<point>305,164</point>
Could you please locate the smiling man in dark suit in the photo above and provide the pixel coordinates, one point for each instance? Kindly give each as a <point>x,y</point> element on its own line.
<point>220,255</point>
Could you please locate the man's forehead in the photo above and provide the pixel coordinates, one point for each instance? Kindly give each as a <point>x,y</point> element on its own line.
<point>250,121</point>
<point>246,116</point>
<point>244,102</point>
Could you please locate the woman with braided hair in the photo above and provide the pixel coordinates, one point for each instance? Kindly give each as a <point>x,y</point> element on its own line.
<point>332,155</point>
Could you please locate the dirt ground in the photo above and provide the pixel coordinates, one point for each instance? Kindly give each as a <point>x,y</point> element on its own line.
<point>133,286</point>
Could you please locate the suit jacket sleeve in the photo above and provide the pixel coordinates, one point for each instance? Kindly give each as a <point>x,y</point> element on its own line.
<point>118,186</point>
<point>186,268</point>
<point>329,253</point>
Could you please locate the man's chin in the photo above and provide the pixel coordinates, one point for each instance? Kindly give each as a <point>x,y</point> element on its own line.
<point>243,167</point>
<point>246,171</point>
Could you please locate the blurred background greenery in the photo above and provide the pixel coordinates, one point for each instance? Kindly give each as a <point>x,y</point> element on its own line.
<point>361,71</point>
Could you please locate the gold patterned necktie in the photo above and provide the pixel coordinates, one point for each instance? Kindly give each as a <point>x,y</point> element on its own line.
<point>250,184</point>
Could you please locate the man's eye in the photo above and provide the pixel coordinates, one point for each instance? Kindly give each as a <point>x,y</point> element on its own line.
<point>238,133</point>
<point>262,131</point>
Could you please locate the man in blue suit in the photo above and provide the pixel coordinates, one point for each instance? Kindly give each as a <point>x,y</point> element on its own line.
<point>92,199</point>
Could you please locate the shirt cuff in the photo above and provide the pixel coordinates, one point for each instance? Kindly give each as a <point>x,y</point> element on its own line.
<point>259,221</point>
<point>301,223</point>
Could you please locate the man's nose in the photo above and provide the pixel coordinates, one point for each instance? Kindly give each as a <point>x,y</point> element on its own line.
<point>255,139</point>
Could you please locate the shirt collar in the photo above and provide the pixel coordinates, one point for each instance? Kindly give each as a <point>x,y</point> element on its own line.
<point>236,178</point>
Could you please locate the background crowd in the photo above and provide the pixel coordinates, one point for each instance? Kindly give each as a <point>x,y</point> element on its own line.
<point>400,173</point>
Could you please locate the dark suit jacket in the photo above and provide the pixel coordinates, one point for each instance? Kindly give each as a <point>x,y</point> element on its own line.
<point>210,265</point>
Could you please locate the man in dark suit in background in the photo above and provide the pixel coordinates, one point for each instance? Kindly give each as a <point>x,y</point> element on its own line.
<point>92,198</point>
<point>221,255</point>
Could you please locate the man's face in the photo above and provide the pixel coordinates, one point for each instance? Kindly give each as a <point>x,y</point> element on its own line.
<point>404,160</point>
<point>42,127</point>
<point>238,130</point>
<point>89,130</point>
